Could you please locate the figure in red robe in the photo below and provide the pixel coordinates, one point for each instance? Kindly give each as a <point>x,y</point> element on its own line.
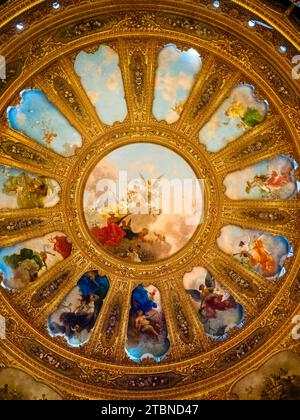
<point>62,246</point>
<point>110,235</point>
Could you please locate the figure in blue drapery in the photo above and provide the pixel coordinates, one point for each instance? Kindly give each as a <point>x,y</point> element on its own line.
<point>93,289</point>
<point>92,283</point>
<point>141,300</point>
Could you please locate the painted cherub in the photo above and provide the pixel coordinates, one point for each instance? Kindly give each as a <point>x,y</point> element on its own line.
<point>49,136</point>
<point>143,324</point>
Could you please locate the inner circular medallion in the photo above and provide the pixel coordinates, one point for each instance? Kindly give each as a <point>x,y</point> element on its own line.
<point>143,203</point>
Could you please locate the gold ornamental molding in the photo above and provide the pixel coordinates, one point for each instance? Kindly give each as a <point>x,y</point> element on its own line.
<point>276,20</point>
<point>14,8</point>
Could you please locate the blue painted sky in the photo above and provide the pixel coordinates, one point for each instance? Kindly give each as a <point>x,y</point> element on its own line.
<point>151,160</point>
<point>35,116</point>
<point>7,271</point>
<point>102,80</point>
<point>175,78</point>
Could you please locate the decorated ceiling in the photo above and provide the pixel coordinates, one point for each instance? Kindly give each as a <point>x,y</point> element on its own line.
<point>193,304</point>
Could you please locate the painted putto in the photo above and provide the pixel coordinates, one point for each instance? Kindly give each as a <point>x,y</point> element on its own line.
<point>40,120</point>
<point>23,190</point>
<point>261,252</point>
<point>75,317</point>
<point>147,335</point>
<point>25,262</point>
<point>218,311</point>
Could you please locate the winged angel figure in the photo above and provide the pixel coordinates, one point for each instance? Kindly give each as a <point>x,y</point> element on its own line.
<point>210,306</point>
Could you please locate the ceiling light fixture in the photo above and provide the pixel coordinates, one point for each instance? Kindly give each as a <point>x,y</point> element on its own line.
<point>283,49</point>
<point>20,26</point>
<point>253,22</point>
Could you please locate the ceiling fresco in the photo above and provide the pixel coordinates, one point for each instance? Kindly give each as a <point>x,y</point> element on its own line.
<point>175,77</point>
<point>239,113</point>
<point>267,180</point>
<point>278,379</point>
<point>37,118</point>
<point>105,287</point>
<point>217,309</point>
<point>143,231</point>
<point>147,334</point>
<point>16,385</point>
<point>76,315</point>
<point>101,78</point>
<point>259,251</point>
<point>23,190</point>
<point>23,263</point>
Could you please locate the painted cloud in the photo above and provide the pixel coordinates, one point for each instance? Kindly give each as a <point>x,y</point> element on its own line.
<point>101,78</point>
<point>272,179</point>
<point>175,78</point>
<point>238,114</point>
<point>261,252</point>
<point>39,119</point>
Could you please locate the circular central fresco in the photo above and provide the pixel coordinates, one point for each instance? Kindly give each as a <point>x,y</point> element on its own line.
<point>143,203</point>
<point>149,198</point>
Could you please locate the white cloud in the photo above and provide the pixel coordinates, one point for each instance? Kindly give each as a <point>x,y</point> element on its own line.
<point>110,55</point>
<point>168,56</point>
<point>21,118</point>
<point>94,96</point>
<point>169,84</point>
<point>172,116</point>
<point>69,149</point>
<point>98,71</point>
<point>113,82</point>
